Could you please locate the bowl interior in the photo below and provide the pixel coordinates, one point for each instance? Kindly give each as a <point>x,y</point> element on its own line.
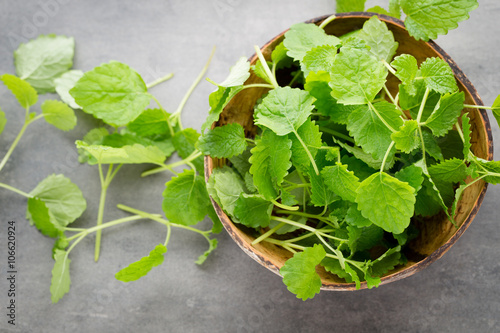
<point>437,234</point>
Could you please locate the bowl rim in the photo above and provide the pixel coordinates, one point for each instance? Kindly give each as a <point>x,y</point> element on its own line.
<point>439,252</point>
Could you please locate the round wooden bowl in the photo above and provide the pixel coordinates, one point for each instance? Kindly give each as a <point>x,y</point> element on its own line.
<point>437,234</point>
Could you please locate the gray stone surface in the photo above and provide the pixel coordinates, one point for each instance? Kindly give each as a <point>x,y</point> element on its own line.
<point>230,292</point>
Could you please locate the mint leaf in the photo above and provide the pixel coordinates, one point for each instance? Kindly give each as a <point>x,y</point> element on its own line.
<point>150,122</point>
<point>238,74</point>
<point>112,92</point>
<point>3,121</point>
<point>59,114</point>
<point>368,158</point>
<point>140,268</point>
<point>185,144</point>
<point>355,218</point>
<point>311,136</point>
<point>65,83</point>
<point>395,8</point>
<point>412,175</point>
<point>212,246</point>
<point>370,132</point>
<point>386,201</point>
<point>364,238</point>
<point>318,86</point>
<point>321,195</point>
<point>284,110</point>
<point>43,59</point>
<point>60,281</point>
<point>467,132</point>
<point>356,76</point>
<point>218,101</point>
<point>185,199</point>
<point>225,187</point>
<point>378,10</point>
<point>495,108</point>
<point>225,141</point>
<point>299,272</point>
<point>344,6</point>
<point>413,101</point>
<point>39,214</point>
<point>259,70</point>
<point>64,199</point>
<point>407,138</point>
<point>406,70</point>
<point>319,58</point>
<point>270,163</point>
<point>386,262</point>
<point>432,147</point>
<point>379,38</point>
<point>302,37</point>
<point>446,113</point>
<point>449,171</point>
<point>25,94</point>
<point>279,53</point>
<point>253,210</point>
<point>130,154</point>
<point>341,181</point>
<point>426,19</point>
<point>438,75</point>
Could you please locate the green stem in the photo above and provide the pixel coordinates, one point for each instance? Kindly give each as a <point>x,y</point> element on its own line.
<point>171,129</point>
<point>285,207</point>
<point>478,107</point>
<point>293,223</point>
<point>393,100</point>
<point>268,233</point>
<point>195,83</point>
<point>386,156</point>
<point>389,67</point>
<point>312,216</point>
<point>103,226</point>
<point>258,85</point>
<point>14,144</point>
<point>194,155</point>
<point>311,158</point>
<point>422,106</point>
<point>13,189</point>
<point>266,67</point>
<point>327,21</point>
<point>160,80</point>
<point>337,134</point>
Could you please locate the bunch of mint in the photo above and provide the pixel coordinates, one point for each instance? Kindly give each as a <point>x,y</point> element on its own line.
<point>340,166</point>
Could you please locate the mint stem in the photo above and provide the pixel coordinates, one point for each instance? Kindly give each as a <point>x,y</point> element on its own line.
<point>285,207</point>
<point>311,158</point>
<point>268,233</point>
<point>13,189</point>
<point>337,134</point>
<point>194,155</point>
<point>14,144</point>
<point>103,226</point>
<point>327,21</point>
<point>266,67</point>
<point>160,80</point>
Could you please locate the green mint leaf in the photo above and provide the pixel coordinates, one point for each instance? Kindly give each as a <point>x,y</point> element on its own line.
<point>368,158</point>
<point>284,110</point>
<point>112,92</point>
<point>43,59</point>
<point>355,218</point>
<point>360,168</point>
<point>386,262</point>
<point>429,202</point>
<point>25,94</point>
<point>64,199</point>
<point>407,138</point>
<point>356,76</point>
<point>344,6</point>
<point>451,146</point>
<point>341,181</point>
<point>93,137</point>
<point>412,175</point>
<point>238,74</point>
<point>59,114</point>
<point>449,171</point>
<point>133,154</point>
<point>142,267</point>
<point>253,210</point>
<point>65,83</point>
<point>61,243</point>
<point>364,238</point>
<point>495,108</point>
<point>185,144</point>
<point>310,134</point>
<point>386,201</point>
<point>426,19</point>
<point>432,147</point>
<point>151,122</point>
<point>259,70</point>
<point>212,246</point>
<point>270,163</point>
<point>467,132</point>
<point>379,38</point>
<point>318,87</point>
<point>303,37</point>
<point>299,272</point>
<point>279,53</point>
<point>353,275</point>
<point>241,162</point>
<point>395,8</point>
<point>39,214</point>
<point>60,281</point>
<point>218,101</point>
<point>458,195</point>
<point>3,121</point>
<point>378,10</point>
<point>370,132</point>
<point>319,58</point>
<point>492,168</point>
<point>225,141</point>
<point>217,226</point>
<point>413,101</point>
<point>333,266</point>
<point>446,113</point>
<point>185,199</point>
<point>321,195</point>
<point>438,75</point>
<point>406,70</point>
<point>225,187</point>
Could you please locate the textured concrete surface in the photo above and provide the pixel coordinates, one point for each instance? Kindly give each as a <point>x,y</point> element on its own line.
<point>230,292</point>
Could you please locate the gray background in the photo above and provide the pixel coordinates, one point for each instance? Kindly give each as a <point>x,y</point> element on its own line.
<point>230,292</point>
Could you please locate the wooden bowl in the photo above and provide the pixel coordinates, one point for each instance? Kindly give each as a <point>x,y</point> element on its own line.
<point>437,234</point>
